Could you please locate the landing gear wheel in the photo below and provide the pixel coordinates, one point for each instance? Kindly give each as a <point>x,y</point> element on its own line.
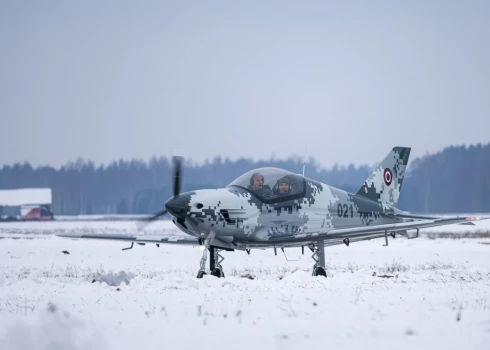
<point>200,274</point>
<point>218,272</point>
<point>319,271</point>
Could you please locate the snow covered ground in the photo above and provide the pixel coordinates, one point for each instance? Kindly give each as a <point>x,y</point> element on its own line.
<point>57,293</point>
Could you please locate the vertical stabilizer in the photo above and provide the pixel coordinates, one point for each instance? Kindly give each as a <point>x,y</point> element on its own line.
<point>385,183</point>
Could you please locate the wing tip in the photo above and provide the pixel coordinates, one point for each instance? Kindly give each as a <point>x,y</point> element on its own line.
<point>477,218</point>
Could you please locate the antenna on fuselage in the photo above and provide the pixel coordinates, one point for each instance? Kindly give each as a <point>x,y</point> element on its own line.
<point>304,159</point>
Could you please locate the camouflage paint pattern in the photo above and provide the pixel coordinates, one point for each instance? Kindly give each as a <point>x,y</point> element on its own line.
<point>385,183</point>
<point>236,214</point>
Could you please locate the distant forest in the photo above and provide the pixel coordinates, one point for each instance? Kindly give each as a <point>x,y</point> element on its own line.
<point>455,180</point>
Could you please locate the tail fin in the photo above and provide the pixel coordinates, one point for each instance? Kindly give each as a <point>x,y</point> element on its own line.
<point>385,183</point>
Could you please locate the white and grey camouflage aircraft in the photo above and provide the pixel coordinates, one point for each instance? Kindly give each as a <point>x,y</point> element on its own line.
<point>275,208</point>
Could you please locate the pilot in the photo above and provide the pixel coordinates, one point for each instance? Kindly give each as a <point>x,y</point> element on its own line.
<point>284,186</point>
<point>256,182</point>
<point>257,185</point>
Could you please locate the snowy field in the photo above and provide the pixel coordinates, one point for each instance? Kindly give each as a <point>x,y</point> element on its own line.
<point>58,293</point>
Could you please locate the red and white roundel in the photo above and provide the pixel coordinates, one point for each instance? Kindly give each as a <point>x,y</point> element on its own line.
<point>388,176</point>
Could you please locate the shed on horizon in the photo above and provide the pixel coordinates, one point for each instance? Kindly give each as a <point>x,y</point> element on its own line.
<point>31,203</point>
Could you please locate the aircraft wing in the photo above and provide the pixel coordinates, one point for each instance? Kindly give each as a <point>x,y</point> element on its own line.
<point>403,226</point>
<point>155,239</point>
<point>149,239</point>
<point>376,231</point>
<point>331,237</point>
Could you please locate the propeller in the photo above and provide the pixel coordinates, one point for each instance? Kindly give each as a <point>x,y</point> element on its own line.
<point>177,160</point>
<point>177,171</point>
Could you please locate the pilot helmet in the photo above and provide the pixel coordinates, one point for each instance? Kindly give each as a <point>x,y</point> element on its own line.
<point>285,180</point>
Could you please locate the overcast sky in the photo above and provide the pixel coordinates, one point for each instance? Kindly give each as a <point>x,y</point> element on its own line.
<point>346,80</point>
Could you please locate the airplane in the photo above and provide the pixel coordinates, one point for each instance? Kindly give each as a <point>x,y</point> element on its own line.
<point>275,208</point>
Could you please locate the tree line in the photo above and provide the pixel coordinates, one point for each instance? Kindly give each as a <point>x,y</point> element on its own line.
<point>456,179</point>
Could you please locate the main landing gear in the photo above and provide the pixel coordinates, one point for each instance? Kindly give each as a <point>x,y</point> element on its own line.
<point>215,260</point>
<point>319,257</point>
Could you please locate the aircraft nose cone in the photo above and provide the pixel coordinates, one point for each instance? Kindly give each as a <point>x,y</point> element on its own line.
<point>178,206</point>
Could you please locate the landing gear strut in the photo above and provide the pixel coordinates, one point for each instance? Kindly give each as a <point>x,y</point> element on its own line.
<point>215,260</point>
<point>202,270</point>
<point>319,257</point>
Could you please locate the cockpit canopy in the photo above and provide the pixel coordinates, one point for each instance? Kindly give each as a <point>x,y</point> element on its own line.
<point>272,184</point>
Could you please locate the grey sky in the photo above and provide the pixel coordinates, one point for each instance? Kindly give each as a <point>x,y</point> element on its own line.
<point>124,79</point>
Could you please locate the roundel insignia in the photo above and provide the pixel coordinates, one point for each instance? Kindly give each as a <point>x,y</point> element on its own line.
<point>388,176</point>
